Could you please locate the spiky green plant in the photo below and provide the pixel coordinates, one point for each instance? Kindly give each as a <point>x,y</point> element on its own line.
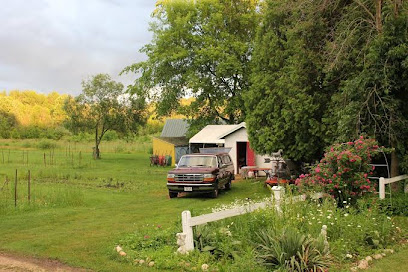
<point>289,250</point>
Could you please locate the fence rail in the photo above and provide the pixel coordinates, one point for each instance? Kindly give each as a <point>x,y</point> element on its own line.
<point>384,181</point>
<point>185,239</point>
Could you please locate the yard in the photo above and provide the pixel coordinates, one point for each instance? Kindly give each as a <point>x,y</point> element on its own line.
<point>81,209</point>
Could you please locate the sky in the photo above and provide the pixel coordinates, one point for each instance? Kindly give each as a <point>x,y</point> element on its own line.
<point>52,45</point>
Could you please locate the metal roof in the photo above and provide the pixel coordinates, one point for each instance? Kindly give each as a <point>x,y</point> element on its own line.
<point>176,141</point>
<point>214,134</point>
<point>175,128</point>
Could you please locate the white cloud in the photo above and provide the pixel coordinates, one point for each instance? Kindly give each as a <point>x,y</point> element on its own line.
<point>53,45</point>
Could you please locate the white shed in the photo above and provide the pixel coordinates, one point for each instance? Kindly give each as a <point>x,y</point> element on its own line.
<point>234,137</point>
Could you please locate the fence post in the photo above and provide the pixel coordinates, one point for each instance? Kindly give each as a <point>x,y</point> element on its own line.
<point>278,192</point>
<point>29,185</point>
<point>187,230</point>
<point>15,191</point>
<point>382,188</point>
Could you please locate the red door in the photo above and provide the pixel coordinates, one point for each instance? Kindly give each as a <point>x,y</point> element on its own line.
<point>250,156</point>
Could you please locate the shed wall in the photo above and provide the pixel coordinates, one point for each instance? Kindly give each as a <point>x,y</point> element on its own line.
<point>163,148</point>
<point>242,136</point>
<point>231,141</point>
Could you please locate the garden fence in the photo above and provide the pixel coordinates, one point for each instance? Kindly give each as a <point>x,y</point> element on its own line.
<point>384,181</point>
<point>185,239</point>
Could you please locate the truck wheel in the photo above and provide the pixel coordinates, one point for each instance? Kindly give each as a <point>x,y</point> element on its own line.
<point>173,194</point>
<point>228,185</point>
<point>214,194</point>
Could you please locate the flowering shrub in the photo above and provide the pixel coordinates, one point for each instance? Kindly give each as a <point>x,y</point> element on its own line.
<point>343,171</point>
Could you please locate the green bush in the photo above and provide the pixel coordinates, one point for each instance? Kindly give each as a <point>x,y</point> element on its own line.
<point>82,136</point>
<point>110,135</point>
<point>46,144</point>
<point>397,204</point>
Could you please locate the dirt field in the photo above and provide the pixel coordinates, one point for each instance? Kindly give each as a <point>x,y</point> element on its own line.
<point>9,263</point>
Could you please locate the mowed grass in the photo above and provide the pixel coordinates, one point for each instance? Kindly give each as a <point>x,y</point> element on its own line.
<point>80,208</point>
<point>395,262</point>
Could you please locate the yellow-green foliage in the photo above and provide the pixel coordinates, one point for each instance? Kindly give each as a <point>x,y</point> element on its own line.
<point>34,109</point>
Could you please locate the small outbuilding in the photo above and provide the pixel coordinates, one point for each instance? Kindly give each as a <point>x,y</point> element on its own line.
<point>172,140</point>
<point>233,138</point>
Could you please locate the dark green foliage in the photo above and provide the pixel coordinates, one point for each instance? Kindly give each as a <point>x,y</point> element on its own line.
<point>7,122</point>
<point>288,96</point>
<point>326,71</point>
<point>397,204</point>
<point>372,96</point>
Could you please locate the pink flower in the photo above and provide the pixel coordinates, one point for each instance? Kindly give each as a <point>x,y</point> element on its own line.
<point>317,170</point>
<point>350,143</point>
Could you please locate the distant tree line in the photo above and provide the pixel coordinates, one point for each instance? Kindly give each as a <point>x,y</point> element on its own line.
<point>28,115</point>
<point>302,74</point>
<point>32,115</point>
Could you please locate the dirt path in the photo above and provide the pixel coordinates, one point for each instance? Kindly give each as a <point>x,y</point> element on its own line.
<point>9,263</point>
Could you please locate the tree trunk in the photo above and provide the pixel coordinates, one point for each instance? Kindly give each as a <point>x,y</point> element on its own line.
<point>96,153</point>
<point>397,6</point>
<point>378,22</point>
<point>394,166</point>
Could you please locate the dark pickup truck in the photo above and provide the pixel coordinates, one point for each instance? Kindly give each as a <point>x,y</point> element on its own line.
<point>201,173</point>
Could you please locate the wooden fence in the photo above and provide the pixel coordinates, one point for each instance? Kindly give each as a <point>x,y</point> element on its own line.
<point>185,239</point>
<point>384,181</point>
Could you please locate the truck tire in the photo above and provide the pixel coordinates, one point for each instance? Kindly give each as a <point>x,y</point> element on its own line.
<point>173,194</point>
<point>214,194</point>
<point>228,185</point>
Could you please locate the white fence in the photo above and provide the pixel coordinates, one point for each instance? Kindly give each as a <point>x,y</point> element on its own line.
<point>185,239</point>
<point>384,181</point>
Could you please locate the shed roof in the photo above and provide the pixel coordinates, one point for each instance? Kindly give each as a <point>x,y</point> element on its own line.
<point>215,134</point>
<point>176,141</point>
<point>175,128</point>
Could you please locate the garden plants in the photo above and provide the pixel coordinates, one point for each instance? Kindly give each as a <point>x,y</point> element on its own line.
<point>343,172</point>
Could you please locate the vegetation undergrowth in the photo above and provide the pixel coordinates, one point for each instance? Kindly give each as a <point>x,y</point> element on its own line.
<point>289,240</point>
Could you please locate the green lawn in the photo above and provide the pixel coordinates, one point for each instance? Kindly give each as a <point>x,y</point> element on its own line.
<point>395,262</point>
<point>80,208</point>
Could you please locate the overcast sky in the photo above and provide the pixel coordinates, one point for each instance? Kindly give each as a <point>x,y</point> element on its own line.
<point>52,45</point>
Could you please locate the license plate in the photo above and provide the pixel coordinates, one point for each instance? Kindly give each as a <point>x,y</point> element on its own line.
<point>188,189</point>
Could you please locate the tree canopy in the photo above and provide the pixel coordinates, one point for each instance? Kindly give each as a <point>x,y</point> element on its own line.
<point>103,106</point>
<point>200,49</point>
<point>302,74</point>
<point>326,71</point>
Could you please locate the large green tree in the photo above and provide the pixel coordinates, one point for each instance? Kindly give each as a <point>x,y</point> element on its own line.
<point>104,105</point>
<point>329,70</point>
<point>369,53</point>
<point>288,98</point>
<point>200,49</point>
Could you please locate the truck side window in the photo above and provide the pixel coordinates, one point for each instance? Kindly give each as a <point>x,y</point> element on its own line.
<point>219,161</point>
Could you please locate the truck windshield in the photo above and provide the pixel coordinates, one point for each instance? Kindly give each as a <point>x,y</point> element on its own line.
<point>198,161</point>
